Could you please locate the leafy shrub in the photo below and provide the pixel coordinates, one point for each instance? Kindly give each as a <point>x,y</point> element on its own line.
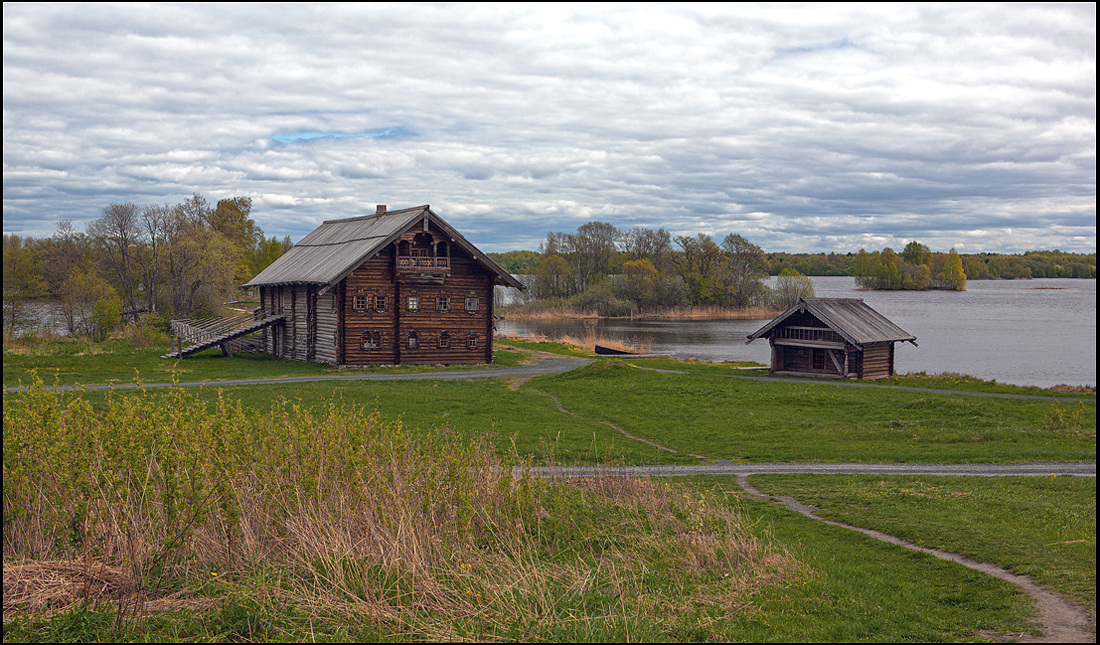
<point>601,300</point>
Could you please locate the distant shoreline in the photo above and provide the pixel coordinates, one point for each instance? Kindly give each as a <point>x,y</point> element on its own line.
<point>529,312</point>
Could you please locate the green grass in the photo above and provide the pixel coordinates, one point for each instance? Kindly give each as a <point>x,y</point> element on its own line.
<point>860,589</point>
<point>1043,527</point>
<point>700,411</point>
<point>73,361</point>
<point>950,382</point>
<point>598,578</point>
<point>745,420</point>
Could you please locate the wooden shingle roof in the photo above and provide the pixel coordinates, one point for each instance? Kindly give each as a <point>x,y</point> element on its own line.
<point>332,251</point>
<point>856,322</point>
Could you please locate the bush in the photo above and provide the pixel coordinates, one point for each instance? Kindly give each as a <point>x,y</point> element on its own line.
<point>144,334</point>
<point>602,300</point>
<point>789,288</point>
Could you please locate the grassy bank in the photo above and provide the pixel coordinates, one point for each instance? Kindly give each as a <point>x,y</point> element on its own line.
<point>77,361</point>
<point>709,413</point>
<point>703,410</point>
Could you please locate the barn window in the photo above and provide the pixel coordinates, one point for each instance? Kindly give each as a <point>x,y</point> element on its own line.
<point>372,340</point>
<point>444,339</point>
<point>471,303</point>
<point>360,301</point>
<point>414,340</point>
<point>471,341</point>
<point>443,303</point>
<point>414,302</point>
<point>380,303</point>
<point>819,359</point>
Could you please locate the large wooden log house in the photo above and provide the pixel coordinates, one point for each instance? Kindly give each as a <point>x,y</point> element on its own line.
<point>390,288</point>
<point>835,337</point>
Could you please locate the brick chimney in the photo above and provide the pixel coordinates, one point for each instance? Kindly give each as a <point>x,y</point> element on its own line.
<point>380,209</point>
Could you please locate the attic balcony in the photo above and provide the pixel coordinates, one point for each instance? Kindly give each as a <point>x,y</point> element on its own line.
<point>423,269</point>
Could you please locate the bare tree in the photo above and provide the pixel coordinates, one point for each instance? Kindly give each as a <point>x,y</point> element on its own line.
<point>118,234</point>
<point>592,252</point>
<point>155,222</point>
<point>67,248</point>
<point>790,287</point>
<point>647,244</point>
<point>745,267</point>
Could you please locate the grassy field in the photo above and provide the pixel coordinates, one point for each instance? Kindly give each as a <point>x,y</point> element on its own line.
<point>1043,527</point>
<point>300,524</point>
<point>349,510</point>
<point>75,361</point>
<point>702,411</point>
<point>743,420</point>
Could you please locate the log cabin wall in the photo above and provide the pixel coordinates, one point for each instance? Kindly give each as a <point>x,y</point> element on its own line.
<point>368,311</point>
<point>452,322</point>
<point>855,362</point>
<point>299,324</point>
<point>439,316</point>
<point>878,360</point>
<point>327,323</point>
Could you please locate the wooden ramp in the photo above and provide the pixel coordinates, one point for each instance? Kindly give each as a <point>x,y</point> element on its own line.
<point>214,332</point>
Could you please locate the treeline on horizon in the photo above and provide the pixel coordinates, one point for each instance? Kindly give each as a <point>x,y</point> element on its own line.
<point>601,269</point>
<point>616,272</point>
<point>977,266</point>
<point>163,261</point>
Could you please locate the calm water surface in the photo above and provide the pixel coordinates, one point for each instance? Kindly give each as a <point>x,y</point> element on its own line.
<point>1027,332</point>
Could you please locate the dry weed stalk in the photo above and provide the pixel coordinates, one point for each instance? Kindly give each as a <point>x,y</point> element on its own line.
<point>420,530</point>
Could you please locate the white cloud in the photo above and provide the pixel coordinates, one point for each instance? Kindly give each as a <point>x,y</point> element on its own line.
<point>807,127</point>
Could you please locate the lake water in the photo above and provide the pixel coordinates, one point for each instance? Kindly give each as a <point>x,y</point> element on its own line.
<point>1027,332</point>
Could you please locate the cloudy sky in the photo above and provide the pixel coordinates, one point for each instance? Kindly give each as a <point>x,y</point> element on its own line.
<point>801,127</point>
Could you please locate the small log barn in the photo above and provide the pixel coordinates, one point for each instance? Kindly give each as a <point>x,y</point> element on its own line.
<point>390,288</point>
<point>836,337</point>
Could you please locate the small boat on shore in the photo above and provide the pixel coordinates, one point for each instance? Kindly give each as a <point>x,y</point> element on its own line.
<point>607,351</point>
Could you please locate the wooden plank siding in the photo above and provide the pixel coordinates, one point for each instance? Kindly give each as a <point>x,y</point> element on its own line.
<point>878,361</point>
<point>327,324</point>
<point>448,335</point>
<point>371,280</point>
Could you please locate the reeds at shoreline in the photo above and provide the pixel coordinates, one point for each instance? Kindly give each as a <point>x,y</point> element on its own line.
<point>589,340</point>
<point>535,312</point>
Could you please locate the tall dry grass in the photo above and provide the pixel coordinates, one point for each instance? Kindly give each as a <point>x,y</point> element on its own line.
<point>357,515</point>
<point>588,341</point>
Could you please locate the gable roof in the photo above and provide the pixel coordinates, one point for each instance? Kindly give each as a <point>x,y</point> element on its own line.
<point>856,322</point>
<point>337,247</point>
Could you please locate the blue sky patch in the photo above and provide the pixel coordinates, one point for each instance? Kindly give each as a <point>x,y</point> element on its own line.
<point>387,133</point>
